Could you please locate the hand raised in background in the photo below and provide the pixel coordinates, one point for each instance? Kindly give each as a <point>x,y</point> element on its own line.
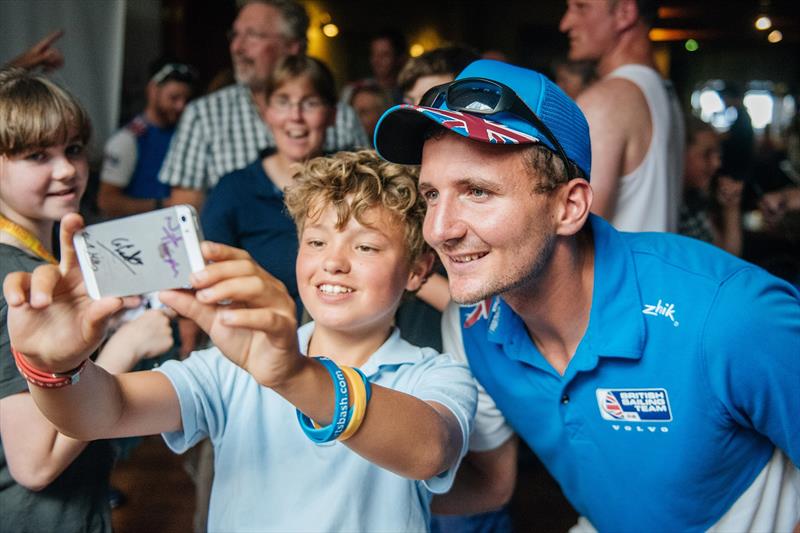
<point>42,54</point>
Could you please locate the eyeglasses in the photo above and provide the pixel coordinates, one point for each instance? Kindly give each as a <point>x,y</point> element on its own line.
<point>177,71</point>
<point>481,96</point>
<point>308,105</point>
<point>251,35</point>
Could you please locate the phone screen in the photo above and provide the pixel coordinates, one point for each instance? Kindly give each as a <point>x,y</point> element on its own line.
<point>139,254</point>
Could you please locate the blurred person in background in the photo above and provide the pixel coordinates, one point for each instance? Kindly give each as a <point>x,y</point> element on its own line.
<point>711,209</point>
<point>388,53</point>
<point>133,156</point>
<point>433,68</point>
<point>224,131</point>
<point>369,102</point>
<point>635,119</point>
<point>574,77</point>
<point>246,208</point>
<point>738,143</point>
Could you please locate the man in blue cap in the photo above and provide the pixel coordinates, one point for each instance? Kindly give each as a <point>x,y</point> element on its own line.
<point>655,376</point>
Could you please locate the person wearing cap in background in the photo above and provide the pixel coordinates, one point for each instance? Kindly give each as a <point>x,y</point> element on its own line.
<point>133,156</point>
<point>626,361</point>
<point>635,119</point>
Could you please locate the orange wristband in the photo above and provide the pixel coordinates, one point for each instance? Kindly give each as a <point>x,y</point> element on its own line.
<point>49,380</point>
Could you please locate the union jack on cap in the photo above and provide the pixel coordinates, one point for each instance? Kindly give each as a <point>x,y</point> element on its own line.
<point>401,131</point>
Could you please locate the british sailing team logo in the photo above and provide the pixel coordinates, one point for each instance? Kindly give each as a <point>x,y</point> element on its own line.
<point>634,405</point>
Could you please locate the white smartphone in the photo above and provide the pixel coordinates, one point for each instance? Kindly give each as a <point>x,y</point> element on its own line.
<point>142,253</point>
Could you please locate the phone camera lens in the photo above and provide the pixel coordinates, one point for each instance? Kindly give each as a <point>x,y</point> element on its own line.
<point>183,218</point>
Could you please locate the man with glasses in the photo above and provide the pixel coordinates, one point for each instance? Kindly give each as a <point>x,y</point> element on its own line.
<point>133,156</point>
<point>224,131</point>
<point>626,361</point>
<point>635,118</point>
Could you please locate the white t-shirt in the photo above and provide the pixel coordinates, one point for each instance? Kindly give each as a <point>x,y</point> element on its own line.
<point>490,429</point>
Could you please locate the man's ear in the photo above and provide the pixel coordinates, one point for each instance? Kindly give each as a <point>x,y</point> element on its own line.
<point>574,202</point>
<point>420,270</point>
<point>626,14</point>
<point>294,47</point>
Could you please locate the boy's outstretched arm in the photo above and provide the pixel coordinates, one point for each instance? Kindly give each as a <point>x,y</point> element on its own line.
<point>257,330</point>
<point>56,325</point>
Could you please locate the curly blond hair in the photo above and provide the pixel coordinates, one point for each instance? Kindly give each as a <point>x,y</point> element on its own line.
<point>354,182</point>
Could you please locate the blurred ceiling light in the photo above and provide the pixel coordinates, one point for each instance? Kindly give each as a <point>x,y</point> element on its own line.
<point>775,36</point>
<point>330,30</point>
<point>691,45</point>
<point>675,34</point>
<point>675,12</point>
<point>416,50</point>
<point>759,105</point>
<point>763,23</point>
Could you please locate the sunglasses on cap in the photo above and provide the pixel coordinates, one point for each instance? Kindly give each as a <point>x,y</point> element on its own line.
<point>177,71</point>
<point>481,96</point>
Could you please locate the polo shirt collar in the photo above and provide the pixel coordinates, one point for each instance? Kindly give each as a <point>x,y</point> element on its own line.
<point>616,324</point>
<point>392,353</point>
<point>264,186</point>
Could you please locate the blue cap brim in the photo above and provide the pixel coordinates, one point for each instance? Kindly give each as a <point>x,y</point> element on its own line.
<point>401,131</point>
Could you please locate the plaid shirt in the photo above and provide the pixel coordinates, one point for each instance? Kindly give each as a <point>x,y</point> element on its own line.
<point>694,220</point>
<point>223,132</point>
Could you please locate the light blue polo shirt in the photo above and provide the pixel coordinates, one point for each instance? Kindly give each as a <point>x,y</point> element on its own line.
<point>686,379</point>
<point>268,476</point>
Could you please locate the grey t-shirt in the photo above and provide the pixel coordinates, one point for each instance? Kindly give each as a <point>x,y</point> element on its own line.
<point>77,500</point>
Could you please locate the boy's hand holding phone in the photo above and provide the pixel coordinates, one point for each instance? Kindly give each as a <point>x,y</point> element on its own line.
<point>51,318</point>
<point>248,313</point>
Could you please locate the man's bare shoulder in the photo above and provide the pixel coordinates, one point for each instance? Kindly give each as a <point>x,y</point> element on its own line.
<point>607,93</point>
<point>615,101</point>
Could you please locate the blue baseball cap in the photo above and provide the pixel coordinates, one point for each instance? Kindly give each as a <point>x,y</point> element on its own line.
<point>400,133</point>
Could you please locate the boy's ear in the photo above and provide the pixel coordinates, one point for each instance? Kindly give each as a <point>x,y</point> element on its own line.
<point>420,270</point>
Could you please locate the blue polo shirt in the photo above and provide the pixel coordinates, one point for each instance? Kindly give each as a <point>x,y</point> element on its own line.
<point>687,378</point>
<point>152,143</point>
<point>246,210</point>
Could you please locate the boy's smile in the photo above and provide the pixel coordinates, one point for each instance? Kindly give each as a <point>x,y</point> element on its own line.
<point>351,279</point>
